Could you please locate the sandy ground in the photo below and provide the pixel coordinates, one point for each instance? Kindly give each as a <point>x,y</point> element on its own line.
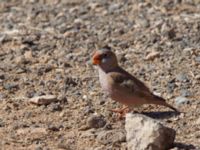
<point>46,46</point>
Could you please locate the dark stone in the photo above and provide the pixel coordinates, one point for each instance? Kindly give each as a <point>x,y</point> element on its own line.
<point>95,121</point>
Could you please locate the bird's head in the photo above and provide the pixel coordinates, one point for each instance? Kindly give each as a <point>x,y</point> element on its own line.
<point>105,59</point>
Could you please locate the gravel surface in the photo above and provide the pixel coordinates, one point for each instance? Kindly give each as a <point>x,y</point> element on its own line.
<point>45,49</point>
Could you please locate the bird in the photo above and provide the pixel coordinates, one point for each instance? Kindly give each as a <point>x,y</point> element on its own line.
<point>121,86</point>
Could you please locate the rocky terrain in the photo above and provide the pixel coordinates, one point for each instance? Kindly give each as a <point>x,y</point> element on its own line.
<point>46,48</point>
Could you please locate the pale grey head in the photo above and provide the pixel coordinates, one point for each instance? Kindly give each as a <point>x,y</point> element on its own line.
<point>105,59</point>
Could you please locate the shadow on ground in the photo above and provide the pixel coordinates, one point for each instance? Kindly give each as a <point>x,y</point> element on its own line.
<point>184,146</point>
<point>161,115</point>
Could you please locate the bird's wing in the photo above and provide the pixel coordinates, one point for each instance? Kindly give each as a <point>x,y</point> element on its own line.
<point>122,83</point>
<point>130,88</point>
<point>129,84</point>
<point>121,76</point>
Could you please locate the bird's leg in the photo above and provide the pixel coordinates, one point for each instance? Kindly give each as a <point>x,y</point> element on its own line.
<point>122,112</point>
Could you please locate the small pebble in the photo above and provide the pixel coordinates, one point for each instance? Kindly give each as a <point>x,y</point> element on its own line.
<point>152,55</point>
<point>113,7</point>
<point>38,148</point>
<point>88,110</point>
<point>170,87</point>
<point>2,76</point>
<point>197,59</point>
<point>55,107</point>
<point>181,100</point>
<point>85,97</point>
<point>28,55</point>
<point>111,136</point>
<point>143,22</point>
<point>182,77</point>
<point>10,86</point>
<point>96,121</point>
<point>43,100</point>
<point>62,98</point>
<point>185,93</point>
<point>20,60</point>
<point>53,128</point>
<point>2,96</point>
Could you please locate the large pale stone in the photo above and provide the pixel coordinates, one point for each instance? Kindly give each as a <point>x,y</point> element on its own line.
<point>144,133</point>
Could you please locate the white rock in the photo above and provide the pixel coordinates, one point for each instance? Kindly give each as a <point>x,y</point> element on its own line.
<point>43,100</point>
<point>144,133</point>
<point>85,97</point>
<point>152,55</point>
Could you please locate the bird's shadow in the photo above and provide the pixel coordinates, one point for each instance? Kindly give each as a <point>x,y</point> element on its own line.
<point>161,115</point>
<point>184,146</point>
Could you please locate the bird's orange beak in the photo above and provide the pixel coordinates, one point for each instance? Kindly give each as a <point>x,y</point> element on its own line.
<point>96,59</point>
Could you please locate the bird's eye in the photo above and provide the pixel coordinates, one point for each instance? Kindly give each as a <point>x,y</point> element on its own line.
<point>105,55</point>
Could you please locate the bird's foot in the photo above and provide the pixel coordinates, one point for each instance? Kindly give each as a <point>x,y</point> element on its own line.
<point>121,112</point>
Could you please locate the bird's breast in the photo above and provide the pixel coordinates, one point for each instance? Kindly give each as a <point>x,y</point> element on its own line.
<point>105,82</point>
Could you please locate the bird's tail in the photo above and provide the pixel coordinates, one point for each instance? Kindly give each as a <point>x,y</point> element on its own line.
<point>161,101</point>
